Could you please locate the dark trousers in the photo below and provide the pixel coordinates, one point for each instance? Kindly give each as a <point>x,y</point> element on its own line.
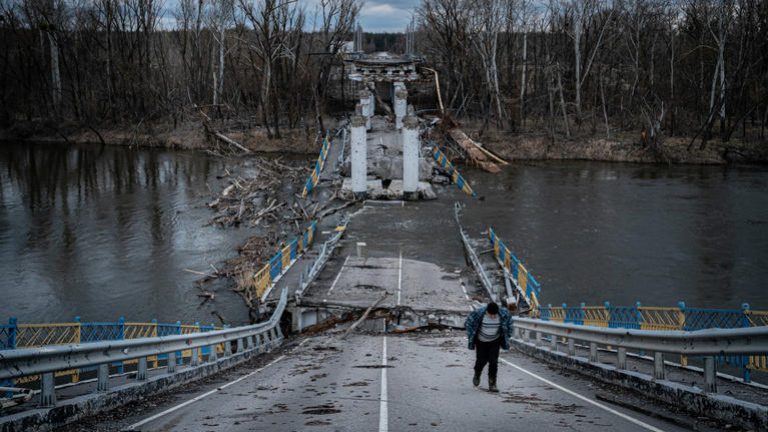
<point>487,353</point>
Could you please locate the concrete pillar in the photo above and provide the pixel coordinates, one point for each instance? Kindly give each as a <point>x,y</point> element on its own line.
<point>359,158</point>
<point>410,139</point>
<point>240,345</point>
<point>47,390</point>
<point>621,358</point>
<point>571,347</point>
<point>366,107</point>
<point>658,366</point>
<point>171,362</point>
<point>593,353</point>
<point>710,375</point>
<point>553,342</point>
<point>400,103</point>
<point>141,369</point>
<point>102,377</point>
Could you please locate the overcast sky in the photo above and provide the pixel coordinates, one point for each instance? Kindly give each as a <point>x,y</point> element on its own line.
<point>387,15</point>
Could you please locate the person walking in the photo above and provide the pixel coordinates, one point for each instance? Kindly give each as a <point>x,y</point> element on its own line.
<point>488,329</point>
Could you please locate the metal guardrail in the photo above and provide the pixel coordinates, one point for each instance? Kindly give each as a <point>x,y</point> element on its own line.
<point>524,281</point>
<point>325,253</point>
<point>709,343</point>
<point>314,176</point>
<point>667,318</point>
<point>266,278</point>
<point>484,278</point>
<point>46,361</point>
<point>444,163</point>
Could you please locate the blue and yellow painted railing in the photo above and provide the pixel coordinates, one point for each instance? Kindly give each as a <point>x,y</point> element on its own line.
<point>314,176</point>
<point>524,280</point>
<point>457,179</point>
<point>15,335</point>
<point>666,318</point>
<point>265,279</point>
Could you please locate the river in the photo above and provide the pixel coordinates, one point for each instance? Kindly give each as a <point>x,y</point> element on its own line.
<point>102,232</point>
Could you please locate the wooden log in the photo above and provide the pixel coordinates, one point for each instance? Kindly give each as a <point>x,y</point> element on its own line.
<point>474,153</point>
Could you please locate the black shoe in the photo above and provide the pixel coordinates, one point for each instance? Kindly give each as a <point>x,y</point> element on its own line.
<point>476,380</point>
<point>492,385</point>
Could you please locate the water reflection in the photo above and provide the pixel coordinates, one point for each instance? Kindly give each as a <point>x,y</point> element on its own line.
<point>625,233</point>
<point>107,231</point>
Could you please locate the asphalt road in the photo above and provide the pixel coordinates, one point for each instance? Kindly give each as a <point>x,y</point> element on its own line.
<point>393,383</point>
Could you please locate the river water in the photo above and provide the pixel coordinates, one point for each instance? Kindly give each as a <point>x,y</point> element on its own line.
<point>103,232</point>
<point>593,232</point>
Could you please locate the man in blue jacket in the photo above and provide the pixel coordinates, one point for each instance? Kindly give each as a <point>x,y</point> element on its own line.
<point>488,329</point>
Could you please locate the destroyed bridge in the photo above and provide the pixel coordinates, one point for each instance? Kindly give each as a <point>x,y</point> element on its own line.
<point>366,329</point>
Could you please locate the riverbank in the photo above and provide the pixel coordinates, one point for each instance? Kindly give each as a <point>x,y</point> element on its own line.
<point>621,148</point>
<point>511,146</point>
<point>184,136</point>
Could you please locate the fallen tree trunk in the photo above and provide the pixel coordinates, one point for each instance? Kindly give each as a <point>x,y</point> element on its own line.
<point>475,154</point>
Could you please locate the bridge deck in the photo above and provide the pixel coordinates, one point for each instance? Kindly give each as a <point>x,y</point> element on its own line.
<point>332,384</point>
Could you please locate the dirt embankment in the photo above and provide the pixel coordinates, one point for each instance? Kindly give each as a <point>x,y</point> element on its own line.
<point>621,149</point>
<point>182,136</point>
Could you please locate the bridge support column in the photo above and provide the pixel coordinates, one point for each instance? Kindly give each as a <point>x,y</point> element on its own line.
<point>359,158</point>
<point>400,105</point>
<point>710,374</point>
<point>571,347</point>
<point>593,353</point>
<point>658,366</point>
<point>410,137</point>
<point>171,362</point>
<point>141,369</point>
<point>102,377</point>
<point>621,358</point>
<point>366,107</point>
<point>47,390</point>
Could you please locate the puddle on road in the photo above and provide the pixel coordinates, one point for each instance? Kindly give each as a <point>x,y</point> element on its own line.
<point>321,410</point>
<point>373,366</point>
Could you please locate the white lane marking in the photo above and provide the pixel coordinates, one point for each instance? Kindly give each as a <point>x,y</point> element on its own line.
<point>400,277</point>
<point>586,399</point>
<point>383,410</point>
<point>333,285</point>
<point>204,395</point>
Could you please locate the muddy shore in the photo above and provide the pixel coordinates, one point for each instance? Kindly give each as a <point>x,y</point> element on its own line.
<point>511,146</point>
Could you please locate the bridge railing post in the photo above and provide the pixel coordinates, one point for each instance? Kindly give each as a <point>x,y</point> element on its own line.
<point>141,369</point>
<point>571,347</point>
<point>102,377</point>
<point>179,355</point>
<point>120,336</point>
<point>710,374</point>
<point>658,366</point>
<point>194,359</point>
<point>47,390</point>
<point>593,357</point>
<point>172,362</point>
<point>553,343</point>
<point>227,346</point>
<point>745,359</point>
<point>213,350</point>
<point>621,358</point>
<point>240,345</point>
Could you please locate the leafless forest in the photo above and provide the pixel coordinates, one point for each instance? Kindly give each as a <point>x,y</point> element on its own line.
<point>692,68</point>
<point>646,69</point>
